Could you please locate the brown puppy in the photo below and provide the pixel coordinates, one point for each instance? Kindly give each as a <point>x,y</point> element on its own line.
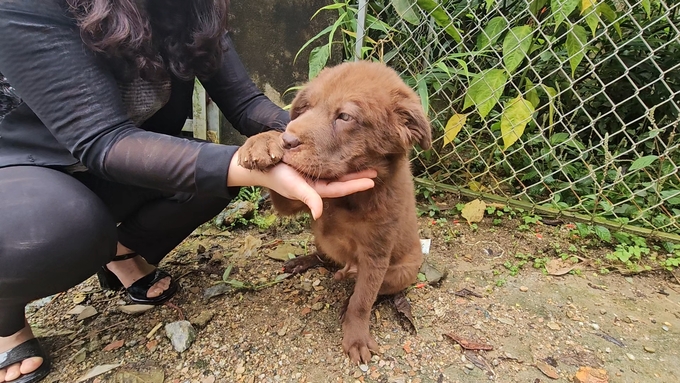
<point>352,117</point>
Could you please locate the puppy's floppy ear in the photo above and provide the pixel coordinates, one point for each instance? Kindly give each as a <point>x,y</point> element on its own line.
<point>415,121</point>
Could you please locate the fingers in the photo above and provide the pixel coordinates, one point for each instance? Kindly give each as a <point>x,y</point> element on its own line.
<point>368,173</point>
<point>335,189</point>
<point>309,197</point>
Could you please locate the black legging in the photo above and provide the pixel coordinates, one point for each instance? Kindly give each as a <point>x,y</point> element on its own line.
<point>56,230</point>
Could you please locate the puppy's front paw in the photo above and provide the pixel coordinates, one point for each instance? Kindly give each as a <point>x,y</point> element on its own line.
<point>358,343</point>
<point>261,151</point>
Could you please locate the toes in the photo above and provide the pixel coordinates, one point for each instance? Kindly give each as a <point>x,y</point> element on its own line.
<point>354,355</point>
<point>365,354</point>
<point>13,372</point>
<point>158,288</point>
<point>29,365</point>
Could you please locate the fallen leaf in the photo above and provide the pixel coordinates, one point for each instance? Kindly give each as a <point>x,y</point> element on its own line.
<point>547,369</point>
<point>403,306</point>
<point>468,345</point>
<point>558,267</point>
<point>98,370</point>
<point>591,375</point>
<point>477,360</point>
<point>306,311</point>
<point>114,345</point>
<point>250,246</point>
<point>79,298</point>
<point>474,211</point>
<point>467,293</point>
<point>151,345</point>
<point>407,347</point>
<point>283,252</point>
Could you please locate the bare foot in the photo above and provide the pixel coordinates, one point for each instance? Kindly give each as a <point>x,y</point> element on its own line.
<point>131,270</point>
<point>29,365</point>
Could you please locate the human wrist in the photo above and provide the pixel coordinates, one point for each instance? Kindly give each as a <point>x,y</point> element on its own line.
<point>240,176</point>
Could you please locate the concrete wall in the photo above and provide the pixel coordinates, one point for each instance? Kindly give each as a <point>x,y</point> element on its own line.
<point>267,35</point>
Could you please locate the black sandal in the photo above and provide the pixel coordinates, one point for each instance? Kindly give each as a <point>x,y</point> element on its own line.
<point>29,349</point>
<point>138,290</point>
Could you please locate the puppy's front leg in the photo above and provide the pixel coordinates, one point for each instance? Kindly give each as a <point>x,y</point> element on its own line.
<point>261,151</point>
<point>357,341</point>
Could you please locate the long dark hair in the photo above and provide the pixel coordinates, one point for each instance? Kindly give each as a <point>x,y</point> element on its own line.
<point>182,37</point>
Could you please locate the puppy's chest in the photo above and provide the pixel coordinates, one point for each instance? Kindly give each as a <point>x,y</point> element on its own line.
<point>343,235</point>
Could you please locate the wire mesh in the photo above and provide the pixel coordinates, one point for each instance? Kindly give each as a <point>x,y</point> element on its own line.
<point>567,104</point>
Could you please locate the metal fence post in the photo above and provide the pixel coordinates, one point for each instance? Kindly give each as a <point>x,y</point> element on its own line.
<point>361,22</point>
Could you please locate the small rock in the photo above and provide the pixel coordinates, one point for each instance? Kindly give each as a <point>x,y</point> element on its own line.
<point>181,334</point>
<point>595,326</point>
<point>523,289</point>
<point>216,291</point>
<point>135,309</point>
<point>240,369</point>
<point>554,326</point>
<point>235,210</point>
<point>470,366</point>
<point>630,356</point>
<point>316,282</point>
<point>317,306</point>
<point>76,310</point>
<point>665,328</point>
<point>79,356</point>
<point>363,367</point>
<point>591,375</point>
<point>650,350</point>
<point>431,273</point>
<point>607,350</point>
<point>202,319</point>
<point>603,311</point>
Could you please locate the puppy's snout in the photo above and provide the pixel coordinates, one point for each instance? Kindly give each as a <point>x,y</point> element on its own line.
<point>290,141</point>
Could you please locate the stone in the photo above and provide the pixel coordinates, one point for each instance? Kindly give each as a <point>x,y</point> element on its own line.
<point>523,289</point>
<point>202,319</point>
<point>181,333</point>
<point>135,309</point>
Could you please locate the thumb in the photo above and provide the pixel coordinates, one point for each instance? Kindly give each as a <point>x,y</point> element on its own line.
<point>311,198</point>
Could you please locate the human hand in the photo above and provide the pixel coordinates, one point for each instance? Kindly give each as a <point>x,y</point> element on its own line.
<point>290,184</point>
<point>286,181</point>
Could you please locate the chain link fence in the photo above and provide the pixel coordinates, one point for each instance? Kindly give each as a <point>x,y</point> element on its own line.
<point>564,107</point>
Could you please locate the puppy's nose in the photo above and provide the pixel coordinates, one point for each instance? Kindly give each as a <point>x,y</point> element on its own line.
<point>289,141</point>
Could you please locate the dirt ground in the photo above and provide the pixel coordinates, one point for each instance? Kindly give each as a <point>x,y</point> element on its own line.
<point>536,324</point>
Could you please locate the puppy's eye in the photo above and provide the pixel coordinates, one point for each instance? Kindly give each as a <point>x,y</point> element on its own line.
<point>344,117</point>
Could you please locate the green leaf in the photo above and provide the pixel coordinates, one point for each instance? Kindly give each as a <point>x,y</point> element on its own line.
<point>493,30</point>
<point>558,138</point>
<point>603,233</point>
<point>453,127</point>
<point>587,4</point>
<point>227,271</point>
<point>440,17</point>
<point>305,45</point>
<point>532,94</point>
<point>647,6</point>
<point>643,162</point>
<point>405,10</point>
<point>329,7</point>
<point>281,277</point>
<point>421,88</point>
<point>485,90</point>
<point>536,6</point>
<point>561,9</point>
<point>514,119</point>
<point>593,20</point>
<point>318,59</point>
<point>605,10</point>
<point>552,93</point>
<point>515,46</point>
<point>576,46</point>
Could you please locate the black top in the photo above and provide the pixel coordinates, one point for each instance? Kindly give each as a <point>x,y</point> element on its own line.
<point>72,110</point>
